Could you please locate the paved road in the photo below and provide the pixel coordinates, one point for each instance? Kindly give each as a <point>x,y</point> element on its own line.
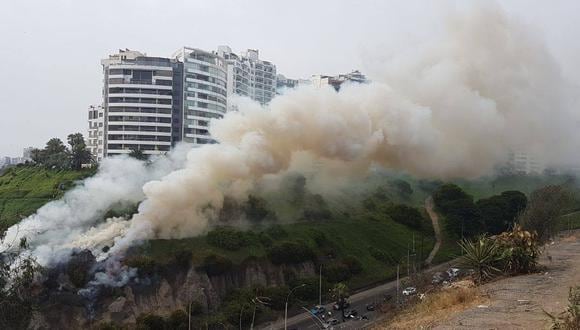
<point>358,301</point>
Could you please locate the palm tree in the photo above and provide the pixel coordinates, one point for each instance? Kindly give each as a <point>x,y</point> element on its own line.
<point>340,293</point>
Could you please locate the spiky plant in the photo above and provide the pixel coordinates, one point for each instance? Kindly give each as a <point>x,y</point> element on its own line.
<point>484,255</point>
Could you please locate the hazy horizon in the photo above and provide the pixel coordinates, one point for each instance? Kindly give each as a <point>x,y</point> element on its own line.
<point>52,50</point>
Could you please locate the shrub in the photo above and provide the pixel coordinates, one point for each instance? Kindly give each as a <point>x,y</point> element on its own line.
<point>178,320</point>
<point>150,322</point>
<point>570,319</point>
<point>145,265</point>
<point>543,210</point>
<point>353,265</point>
<point>216,265</point>
<point>521,250</point>
<point>336,272</point>
<point>227,238</point>
<point>276,232</point>
<point>406,215</point>
<point>256,209</point>
<point>182,258</point>
<point>289,252</point>
<point>403,188</point>
<point>310,291</point>
<point>277,297</point>
<point>500,211</point>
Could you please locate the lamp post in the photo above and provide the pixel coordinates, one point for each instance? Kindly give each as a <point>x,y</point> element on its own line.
<point>286,305</point>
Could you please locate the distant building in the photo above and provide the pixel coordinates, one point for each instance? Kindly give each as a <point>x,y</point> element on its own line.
<point>520,162</point>
<point>319,81</point>
<point>27,153</point>
<point>248,75</point>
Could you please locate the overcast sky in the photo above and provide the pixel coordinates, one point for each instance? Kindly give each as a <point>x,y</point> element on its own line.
<point>50,51</point>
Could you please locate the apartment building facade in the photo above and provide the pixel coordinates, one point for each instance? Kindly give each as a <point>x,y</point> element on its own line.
<point>151,103</point>
<point>248,75</point>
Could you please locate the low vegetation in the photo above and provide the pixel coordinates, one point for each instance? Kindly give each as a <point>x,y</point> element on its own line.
<point>23,189</point>
<point>570,318</point>
<point>436,307</point>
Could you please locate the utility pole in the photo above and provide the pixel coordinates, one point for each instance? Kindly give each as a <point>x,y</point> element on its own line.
<point>408,261</point>
<point>397,285</point>
<point>320,286</point>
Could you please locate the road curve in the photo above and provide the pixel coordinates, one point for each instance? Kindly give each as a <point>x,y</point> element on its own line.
<point>429,207</point>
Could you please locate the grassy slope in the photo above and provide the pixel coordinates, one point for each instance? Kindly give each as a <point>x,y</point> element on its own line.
<point>351,237</point>
<point>23,189</point>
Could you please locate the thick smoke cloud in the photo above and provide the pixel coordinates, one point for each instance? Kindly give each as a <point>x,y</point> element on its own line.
<point>452,108</point>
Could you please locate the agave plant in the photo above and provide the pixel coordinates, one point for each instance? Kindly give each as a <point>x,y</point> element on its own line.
<point>484,255</point>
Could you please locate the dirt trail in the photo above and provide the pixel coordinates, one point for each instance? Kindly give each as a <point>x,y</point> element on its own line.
<point>435,220</point>
<point>518,302</point>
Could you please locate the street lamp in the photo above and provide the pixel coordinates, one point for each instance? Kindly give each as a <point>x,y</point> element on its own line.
<point>286,306</point>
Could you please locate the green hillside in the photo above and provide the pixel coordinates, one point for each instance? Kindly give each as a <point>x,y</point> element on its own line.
<point>23,189</point>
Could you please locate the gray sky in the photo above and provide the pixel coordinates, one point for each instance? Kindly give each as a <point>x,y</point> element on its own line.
<point>49,58</point>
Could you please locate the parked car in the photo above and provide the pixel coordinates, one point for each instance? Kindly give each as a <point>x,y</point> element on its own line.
<point>332,322</point>
<point>318,309</point>
<point>371,307</point>
<point>409,291</point>
<point>351,314</point>
<point>453,272</point>
<point>337,306</point>
<point>439,277</point>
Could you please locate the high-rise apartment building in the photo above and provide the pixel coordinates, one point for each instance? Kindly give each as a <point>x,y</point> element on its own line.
<point>150,103</point>
<point>203,92</point>
<point>137,106</point>
<point>248,75</point>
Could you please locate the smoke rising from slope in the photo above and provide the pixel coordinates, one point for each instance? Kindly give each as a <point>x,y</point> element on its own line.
<point>453,108</point>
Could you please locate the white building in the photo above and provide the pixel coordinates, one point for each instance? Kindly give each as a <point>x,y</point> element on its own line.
<point>203,92</point>
<point>355,76</point>
<point>137,105</point>
<point>520,162</point>
<point>248,75</point>
<point>96,137</point>
<point>27,153</point>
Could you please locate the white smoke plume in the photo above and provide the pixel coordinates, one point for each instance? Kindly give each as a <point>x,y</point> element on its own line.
<point>451,108</point>
<point>75,220</point>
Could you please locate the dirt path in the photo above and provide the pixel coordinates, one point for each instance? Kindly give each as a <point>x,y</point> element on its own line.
<point>518,302</point>
<point>435,221</point>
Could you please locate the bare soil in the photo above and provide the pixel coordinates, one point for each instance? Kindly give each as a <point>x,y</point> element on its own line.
<point>519,302</point>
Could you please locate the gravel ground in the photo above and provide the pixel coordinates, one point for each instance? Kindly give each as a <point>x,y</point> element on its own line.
<point>519,302</point>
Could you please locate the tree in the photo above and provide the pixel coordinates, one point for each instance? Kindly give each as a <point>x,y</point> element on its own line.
<point>543,210</point>
<point>500,211</point>
<point>461,214</point>
<point>340,293</point>
<point>138,154</point>
<point>56,154</point>
<point>403,188</point>
<point>79,154</point>
<point>406,215</point>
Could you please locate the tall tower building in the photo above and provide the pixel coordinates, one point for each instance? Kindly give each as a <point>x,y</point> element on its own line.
<point>248,75</point>
<point>137,104</point>
<point>203,92</point>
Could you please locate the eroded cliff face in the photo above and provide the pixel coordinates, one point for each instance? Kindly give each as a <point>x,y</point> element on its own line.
<point>161,294</point>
